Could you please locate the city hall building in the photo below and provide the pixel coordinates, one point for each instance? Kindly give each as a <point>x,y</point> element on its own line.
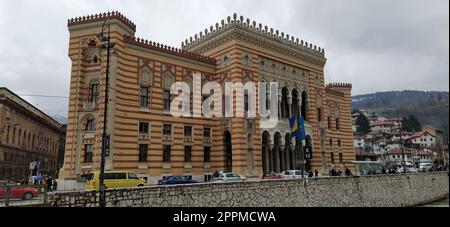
<point>145,138</point>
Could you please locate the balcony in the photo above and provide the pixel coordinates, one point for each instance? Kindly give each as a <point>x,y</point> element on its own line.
<point>166,138</point>
<point>144,137</point>
<point>207,140</point>
<point>188,139</point>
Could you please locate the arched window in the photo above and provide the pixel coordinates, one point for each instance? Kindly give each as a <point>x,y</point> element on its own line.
<point>19,136</point>
<point>90,126</point>
<point>145,82</point>
<point>168,81</point>
<point>7,134</point>
<point>94,92</point>
<point>14,136</point>
<point>284,103</point>
<point>295,103</point>
<point>305,106</point>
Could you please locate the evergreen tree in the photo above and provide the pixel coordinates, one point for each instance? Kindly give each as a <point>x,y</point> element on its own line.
<point>414,124</point>
<point>405,125</point>
<point>362,125</point>
<point>411,124</point>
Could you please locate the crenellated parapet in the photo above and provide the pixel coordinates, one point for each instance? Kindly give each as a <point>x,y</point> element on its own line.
<point>256,28</point>
<point>102,17</point>
<point>168,49</point>
<point>339,85</point>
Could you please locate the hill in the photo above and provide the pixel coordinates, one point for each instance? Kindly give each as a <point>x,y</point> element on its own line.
<point>430,107</point>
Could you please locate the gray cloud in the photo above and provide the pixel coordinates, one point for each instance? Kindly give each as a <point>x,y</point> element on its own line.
<point>377,45</point>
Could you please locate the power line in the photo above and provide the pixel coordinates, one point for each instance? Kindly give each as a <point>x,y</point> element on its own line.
<point>44,96</point>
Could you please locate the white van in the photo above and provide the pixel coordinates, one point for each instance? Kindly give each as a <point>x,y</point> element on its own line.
<point>424,167</point>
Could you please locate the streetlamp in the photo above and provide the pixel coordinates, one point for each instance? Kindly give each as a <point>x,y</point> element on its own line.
<point>108,46</point>
<point>401,142</point>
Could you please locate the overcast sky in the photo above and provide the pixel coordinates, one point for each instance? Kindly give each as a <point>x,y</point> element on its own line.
<point>377,45</point>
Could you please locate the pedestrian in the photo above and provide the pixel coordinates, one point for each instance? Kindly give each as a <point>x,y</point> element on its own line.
<point>49,182</point>
<point>55,185</point>
<point>310,174</point>
<point>317,173</point>
<point>348,172</point>
<point>383,171</point>
<point>333,172</point>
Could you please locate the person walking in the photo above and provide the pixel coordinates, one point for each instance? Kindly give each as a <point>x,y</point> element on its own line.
<point>333,172</point>
<point>49,182</point>
<point>348,172</point>
<point>317,173</point>
<point>55,185</point>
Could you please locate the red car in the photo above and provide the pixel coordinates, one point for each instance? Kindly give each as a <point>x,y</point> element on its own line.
<point>272,177</point>
<point>17,191</point>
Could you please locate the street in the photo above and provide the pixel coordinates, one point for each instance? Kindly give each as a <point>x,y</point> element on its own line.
<point>19,202</point>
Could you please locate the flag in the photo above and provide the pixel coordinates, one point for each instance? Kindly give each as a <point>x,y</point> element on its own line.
<point>302,132</point>
<point>294,127</point>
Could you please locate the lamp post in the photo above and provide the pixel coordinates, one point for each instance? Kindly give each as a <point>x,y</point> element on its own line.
<point>444,140</point>
<point>108,45</point>
<point>401,142</point>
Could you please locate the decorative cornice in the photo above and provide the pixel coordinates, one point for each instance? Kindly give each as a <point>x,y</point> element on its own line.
<point>102,17</point>
<point>167,49</point>
<point>259,35</point>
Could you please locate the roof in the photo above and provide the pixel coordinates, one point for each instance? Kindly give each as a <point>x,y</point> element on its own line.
<point>420,134</point>
<point>396,119</point>
<point>167,49</point>
<point>424,153</point>
<point>362,153</point>
<point>398,151</point>
<point>238,28</point>
<point>377,123</point>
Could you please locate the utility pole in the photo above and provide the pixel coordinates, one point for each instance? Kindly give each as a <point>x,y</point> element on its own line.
<point>444,140</point>
<point>401,142</point>
<point>105,143</point>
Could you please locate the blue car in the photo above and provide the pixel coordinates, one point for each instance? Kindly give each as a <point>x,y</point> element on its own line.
<point>174,180</point>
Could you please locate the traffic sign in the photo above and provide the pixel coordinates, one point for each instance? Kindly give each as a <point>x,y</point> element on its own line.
<point>308,153</point>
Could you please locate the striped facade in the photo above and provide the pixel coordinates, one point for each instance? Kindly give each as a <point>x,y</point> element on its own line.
<point>232,52</point>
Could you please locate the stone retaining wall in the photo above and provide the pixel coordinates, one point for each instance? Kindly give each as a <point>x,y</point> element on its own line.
<point>372,191</point>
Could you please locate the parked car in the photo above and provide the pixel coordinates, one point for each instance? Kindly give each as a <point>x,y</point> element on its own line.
<point>229,177</point>
<point>173,180</point>
<point>412,170</point>
<point>272,176</point>
<point>115,179</point>
<point>294,174</point>
<point>425,167</point>
<point>17,191</point>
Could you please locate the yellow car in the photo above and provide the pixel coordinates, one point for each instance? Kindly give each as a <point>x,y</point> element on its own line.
<point>115,179</point>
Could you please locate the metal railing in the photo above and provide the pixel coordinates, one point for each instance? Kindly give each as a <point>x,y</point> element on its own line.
<point>12,195</point>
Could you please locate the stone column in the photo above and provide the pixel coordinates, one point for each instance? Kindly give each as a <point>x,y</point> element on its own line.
<point>289,98</point>
<point>280,158</point>
<point>300,106</point>
<point>267,157</point>
<point>270,157</point>
<point>280,99</point>
<point>287,160</point>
